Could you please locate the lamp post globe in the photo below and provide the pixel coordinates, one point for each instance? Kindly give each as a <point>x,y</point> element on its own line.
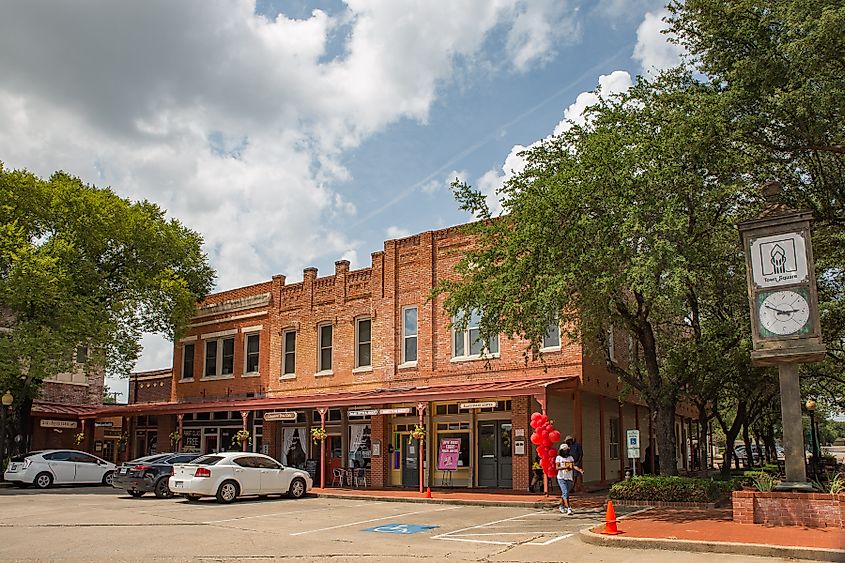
<point>7,399</point>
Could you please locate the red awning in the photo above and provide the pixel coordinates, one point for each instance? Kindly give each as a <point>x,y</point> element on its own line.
<point>40,408</point>
<point>468,390</point>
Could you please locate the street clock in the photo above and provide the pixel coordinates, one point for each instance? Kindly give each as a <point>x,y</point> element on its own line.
<point>782,285</point>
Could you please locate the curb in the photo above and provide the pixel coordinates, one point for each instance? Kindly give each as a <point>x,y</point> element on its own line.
<point>736,548</point>
<point>465,502</point>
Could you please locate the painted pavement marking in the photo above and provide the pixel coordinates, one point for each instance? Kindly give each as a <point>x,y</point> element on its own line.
<point>468,534</point>
<point>374,520</point>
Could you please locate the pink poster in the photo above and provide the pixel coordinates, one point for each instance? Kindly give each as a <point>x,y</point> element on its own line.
<point>450,451</point>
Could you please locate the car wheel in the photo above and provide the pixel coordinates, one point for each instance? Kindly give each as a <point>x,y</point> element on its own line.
<point>136,494</point>
<point>192,498</point>
<point>43,480</point>
<point>227,492</point>
<point>297,488</point>
<point>161,488</point>
<point>108,478</point>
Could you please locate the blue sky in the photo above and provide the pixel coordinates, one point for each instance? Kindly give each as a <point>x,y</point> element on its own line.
<point>296,133</point>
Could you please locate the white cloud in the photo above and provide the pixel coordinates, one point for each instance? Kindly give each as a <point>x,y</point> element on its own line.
<point>539,27</point>
<point>616,82</point>
<point>236,126</point>
<point>394,232</point>
<point>653,51</point>
<point>492,181</point>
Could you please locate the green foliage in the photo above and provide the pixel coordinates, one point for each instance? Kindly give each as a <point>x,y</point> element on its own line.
<point>80,265</point>
<point>672,489</point>
<point>763,482</point>
<point>779,68</point>
<point>625,222</point>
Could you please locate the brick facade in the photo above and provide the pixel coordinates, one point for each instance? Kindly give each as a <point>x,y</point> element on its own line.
<point>150,386</point>
<point>399,276</point>
<point>812,510</point>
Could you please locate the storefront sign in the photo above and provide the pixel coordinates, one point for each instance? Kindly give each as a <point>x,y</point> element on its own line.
<point>107,424</point>
<point>365,412</point>
<point>46,423</point>
<point>280,416</point>
<point>484,405</point>
<point>111,433</point>
<point>376,448</point>
<point>400,410</point>
<point>450,451</point>
<point>191,440</point>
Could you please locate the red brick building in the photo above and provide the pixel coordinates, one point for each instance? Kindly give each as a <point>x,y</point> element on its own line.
<point>62,399</point>
<point>367,356</point>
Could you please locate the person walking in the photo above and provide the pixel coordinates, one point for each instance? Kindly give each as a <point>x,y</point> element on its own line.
<point>577,453</point>
<point>566,469</point>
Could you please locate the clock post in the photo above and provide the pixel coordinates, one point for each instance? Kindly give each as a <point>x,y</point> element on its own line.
<point>784,311</point>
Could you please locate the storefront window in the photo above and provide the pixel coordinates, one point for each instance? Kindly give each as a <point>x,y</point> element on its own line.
<point>360,444</point>
<point>463,457</point>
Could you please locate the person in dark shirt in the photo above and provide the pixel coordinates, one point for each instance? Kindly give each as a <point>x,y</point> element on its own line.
<point>577,453</point>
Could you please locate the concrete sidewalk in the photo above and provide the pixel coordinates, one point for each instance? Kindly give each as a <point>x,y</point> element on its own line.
<point>714,531</point>
<point>476,497</point>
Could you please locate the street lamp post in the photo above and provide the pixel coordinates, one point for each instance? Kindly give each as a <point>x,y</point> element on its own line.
<point>814,436</point>
<point>6,400</point>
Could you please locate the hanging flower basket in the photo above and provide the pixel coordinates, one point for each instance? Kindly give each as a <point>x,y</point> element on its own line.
<point>79,438</point>
<point>175,437</point>
<point>318,434</point>
<point>418,433</point>
<point>241,437</point>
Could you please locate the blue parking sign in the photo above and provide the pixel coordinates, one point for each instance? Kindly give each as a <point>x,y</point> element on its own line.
<point>399,528</point>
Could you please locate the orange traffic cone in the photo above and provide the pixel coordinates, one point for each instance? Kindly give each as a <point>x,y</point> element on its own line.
<point>428,492</point>
<point>610,520</point>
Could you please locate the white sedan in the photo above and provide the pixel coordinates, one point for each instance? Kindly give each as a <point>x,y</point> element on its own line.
<point>59,467</point>
<point>229,475</point>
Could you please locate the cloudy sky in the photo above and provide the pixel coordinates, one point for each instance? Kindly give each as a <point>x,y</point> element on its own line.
<point>294,133</point>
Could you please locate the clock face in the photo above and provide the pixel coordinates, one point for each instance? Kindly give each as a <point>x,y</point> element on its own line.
<point>783,313</point>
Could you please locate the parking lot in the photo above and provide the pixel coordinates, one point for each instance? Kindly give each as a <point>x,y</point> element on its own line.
<point>102,524</point>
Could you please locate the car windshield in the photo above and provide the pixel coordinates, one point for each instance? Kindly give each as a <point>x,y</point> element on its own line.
<point>23,457</point>
<point>207,460</point>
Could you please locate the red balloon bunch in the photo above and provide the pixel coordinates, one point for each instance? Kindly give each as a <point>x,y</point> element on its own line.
<point>544,437</point>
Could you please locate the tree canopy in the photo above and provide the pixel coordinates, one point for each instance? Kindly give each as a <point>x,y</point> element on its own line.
<point>625,222</point>
<point>81,266</point>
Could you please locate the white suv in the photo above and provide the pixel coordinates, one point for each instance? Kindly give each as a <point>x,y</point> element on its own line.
<point>59,467</point>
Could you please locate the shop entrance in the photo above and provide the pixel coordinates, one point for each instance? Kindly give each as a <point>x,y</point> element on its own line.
<point>495,468</point>
<point>410,461</point>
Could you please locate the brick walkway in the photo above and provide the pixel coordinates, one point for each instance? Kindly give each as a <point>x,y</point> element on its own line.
<point>718,526</point>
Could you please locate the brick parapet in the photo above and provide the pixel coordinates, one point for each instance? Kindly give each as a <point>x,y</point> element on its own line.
<point>812,510</point>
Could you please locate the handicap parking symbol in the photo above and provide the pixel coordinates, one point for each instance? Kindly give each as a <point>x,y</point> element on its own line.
<point>399,528</point>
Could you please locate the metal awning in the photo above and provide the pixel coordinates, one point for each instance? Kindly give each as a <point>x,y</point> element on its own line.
<point>42,408</point>
<point>382,396</point>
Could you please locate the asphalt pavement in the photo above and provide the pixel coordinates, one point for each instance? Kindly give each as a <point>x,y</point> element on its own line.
<point>101,524</point>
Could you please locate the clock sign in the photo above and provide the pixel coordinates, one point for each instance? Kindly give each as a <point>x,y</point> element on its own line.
<point>783,313</point>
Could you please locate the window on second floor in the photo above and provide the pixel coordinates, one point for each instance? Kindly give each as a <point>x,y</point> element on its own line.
<point>363,343</point>
<point>409,334</point>
<point>324,361</point>
<point>552,337</point>
<point>467,343</point>
<point>220,357</point>
<point>188,361</point>
<point>289,352</point>
<point>251,347</point>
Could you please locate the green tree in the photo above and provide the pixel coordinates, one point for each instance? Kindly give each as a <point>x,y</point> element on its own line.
<point>80,265</point>
<point>626,222</point>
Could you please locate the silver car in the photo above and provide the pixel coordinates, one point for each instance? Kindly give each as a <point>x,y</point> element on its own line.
<point>58,467</point>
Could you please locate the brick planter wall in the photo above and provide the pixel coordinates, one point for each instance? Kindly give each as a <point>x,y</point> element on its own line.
<point>812,510</point>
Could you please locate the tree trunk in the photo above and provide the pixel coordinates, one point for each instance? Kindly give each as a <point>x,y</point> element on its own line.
<point>666,439</point>
<point>730,435</point>
<point>702,441</point>
<point>746,439</point>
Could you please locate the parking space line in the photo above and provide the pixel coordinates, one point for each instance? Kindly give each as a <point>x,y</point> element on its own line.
<point>551,541</point>
<point>393,517</point>
<point>288,512</point>
<point>443,536</point>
